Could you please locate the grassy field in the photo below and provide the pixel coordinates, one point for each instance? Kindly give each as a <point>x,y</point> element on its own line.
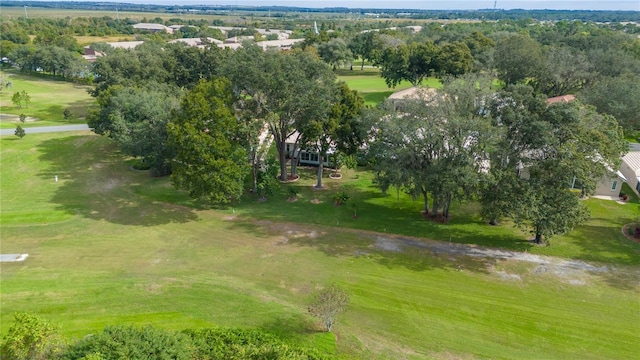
<point>109,245</point>
<point>87,40</point>
<point>372,87</point>
<point>49,99</point>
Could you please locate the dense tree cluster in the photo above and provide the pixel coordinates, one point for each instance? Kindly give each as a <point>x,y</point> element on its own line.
<point>519,156</point>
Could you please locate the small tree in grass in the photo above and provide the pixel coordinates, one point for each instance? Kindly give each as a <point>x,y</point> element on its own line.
<point>23,118</point>
<point>20,98</point>
<point>329,303</point>
<point>19,132</point>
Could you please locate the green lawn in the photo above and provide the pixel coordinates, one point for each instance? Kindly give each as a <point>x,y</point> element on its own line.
<point>113,246</point>
<point>372,87</point>
<point>49,99</point>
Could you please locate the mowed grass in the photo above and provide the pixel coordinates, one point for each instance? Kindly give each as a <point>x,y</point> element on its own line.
<point>49,99</point>
<point>131,250</point>
<point>372,87</point>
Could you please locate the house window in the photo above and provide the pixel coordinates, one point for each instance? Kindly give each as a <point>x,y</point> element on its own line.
<point>614,185</point>
<point>314,157</point>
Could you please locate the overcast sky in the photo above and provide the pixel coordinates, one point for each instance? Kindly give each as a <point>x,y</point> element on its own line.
<point>415,4</point>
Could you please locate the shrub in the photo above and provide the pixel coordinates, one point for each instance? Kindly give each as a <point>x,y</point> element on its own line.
<point>19,132</point>
<point>244,344</point>
<point>67,113</point>
<point>31,337</point>
<point>127,342</point>
<point>340,198</point>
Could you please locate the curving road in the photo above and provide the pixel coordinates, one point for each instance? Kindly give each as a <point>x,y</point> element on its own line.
<point>46,129</point>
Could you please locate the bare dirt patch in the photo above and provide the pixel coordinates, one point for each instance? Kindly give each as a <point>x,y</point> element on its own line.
<point>506,264</point>
<point>10,118</point>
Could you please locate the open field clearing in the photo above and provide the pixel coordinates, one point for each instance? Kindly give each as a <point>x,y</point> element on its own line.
<point>87,40</point>
<point>49,99</point>
<point>372,87</point>
<point>109,245</point>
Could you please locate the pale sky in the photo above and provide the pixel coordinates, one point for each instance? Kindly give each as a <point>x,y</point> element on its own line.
<point>415,4</point>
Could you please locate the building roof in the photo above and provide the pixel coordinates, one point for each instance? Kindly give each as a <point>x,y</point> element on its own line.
<point>195,41</point>
<point>416,92</point>
<point>632,159</point>
<point>125,44</point>
<point>153,27</point>
<point>280,44</point>
<point>563,98</point>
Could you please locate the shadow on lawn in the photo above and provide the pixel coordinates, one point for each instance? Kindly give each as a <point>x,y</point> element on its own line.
<point>605,243</point>
<point>387,250</point>
<point>95,183</point>
<point>78,109</point>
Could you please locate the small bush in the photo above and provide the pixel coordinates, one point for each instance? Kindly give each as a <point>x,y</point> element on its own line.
<point>340,198</point>
<point>20,132</point>
<point>23,118</point>
<point>67,113</point>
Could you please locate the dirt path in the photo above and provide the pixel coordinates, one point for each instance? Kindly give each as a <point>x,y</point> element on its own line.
<point>503,263</point>
<point>548,263</point>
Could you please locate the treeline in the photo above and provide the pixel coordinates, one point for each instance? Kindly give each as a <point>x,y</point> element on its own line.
<point>480,14</point>
<point>31,337</point>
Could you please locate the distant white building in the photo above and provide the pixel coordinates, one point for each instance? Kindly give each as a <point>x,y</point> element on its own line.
<point>153,28</point>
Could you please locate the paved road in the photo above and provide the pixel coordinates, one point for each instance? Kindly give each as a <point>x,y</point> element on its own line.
<point>47,129</point>
<point>634,147</point>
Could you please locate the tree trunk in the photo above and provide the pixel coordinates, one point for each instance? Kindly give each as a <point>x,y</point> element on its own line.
<point>538,239</point>
<point>255,176</point>
<point>362,66</point>
<point>283,163</point>
<point>320,168</point>
<point>445,207</point>
<point>425,195</point>
<point>294,159</point>
<point>434,210</point>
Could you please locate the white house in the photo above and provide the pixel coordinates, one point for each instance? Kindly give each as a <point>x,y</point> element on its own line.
<point>630,169</point>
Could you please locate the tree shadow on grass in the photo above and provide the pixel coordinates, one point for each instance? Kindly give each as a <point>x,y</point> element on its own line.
<point>605,244</point>
<point>387,250</point>
<point>95,182</point>
<point>78,109</point>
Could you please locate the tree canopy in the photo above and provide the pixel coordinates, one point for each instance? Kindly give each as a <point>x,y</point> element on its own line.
<point>210,163</point>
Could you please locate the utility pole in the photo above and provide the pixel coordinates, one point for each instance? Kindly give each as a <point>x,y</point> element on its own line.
<point>117,15</point>
<point>25,12</point>
<point>495,5</point>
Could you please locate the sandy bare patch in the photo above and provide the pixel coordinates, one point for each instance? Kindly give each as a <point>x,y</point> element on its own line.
<point>16,118</point>
<point>387,244</point>
<point>315,201</point>
<point>506,276</point>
